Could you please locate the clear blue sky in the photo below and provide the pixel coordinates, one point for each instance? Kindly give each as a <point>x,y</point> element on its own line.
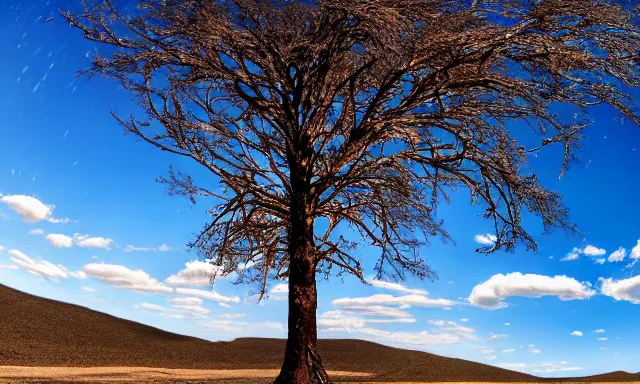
<point>122,249</point>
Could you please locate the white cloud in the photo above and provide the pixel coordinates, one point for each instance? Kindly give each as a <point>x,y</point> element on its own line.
<point>451,326</point>
<point>84,241</point>
<point>599,261</point>
<point>496,337</point>
<point>389,300</point>
<point>1,248</point>
<point>599,331</point>
<point>635,251</point>
<point>508,350</point>
<point>8,267</point>
<point>531,345</point>
<point>603,339</point>
<point>161,248</point>
<point>196,273</point>
<point>150,307</point>
<point>340,319</point>
<point>539,367</point>
<point>397,287</point>
<point>30,208</point>
<point>486,350</point>
<point>80,275</point>
<point>40,268</point>
<point>59,241</point>
<point>464,320</point>
<point>121,277</point>
<point>507,324</point>
<point>280,288</point>
<point>208,295</point>
<point>576,333</point>
<point>491,358</point>
<point>536,351</point>
<point>573,255</point>
<point>625,289</point>
<point>376,310</point>
<point>617,255</point>
<point>64,220</point>
<point>492,293</point>
<point>487,239</point>
<point>186,300</point>
<point>88,289</point>
<point>590,250</point>
<point>36,231</point>
<point>164,248</point>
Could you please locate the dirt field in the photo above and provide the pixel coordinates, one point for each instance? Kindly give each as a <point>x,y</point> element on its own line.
<point>141,374</point>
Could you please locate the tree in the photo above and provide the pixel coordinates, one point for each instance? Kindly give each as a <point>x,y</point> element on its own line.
<point>316,116</point>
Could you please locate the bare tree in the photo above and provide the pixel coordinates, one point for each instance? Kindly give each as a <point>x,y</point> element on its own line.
<point>315,116</point>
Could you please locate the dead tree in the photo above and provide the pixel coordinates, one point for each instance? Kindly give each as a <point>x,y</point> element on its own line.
<point>314,116</point>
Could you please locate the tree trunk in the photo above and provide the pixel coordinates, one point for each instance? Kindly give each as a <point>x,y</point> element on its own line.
<point>302,364</point>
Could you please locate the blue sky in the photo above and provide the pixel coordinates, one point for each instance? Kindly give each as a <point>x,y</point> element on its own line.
<point>82,220</point>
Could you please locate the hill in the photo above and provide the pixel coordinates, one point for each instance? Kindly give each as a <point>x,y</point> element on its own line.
<point>41,332</point>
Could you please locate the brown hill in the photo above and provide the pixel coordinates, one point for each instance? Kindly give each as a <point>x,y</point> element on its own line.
<point>39,332</point>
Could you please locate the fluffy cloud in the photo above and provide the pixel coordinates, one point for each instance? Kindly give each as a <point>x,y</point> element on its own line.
<point>599,331</point>
<point>36,231</point>
<point>280,288</point>
<point>536,351</point>
<point>40,268</point>
<point>389,300</point>
<point>486,350</point>
<point>162,248</point>
<point>85,241</point>
<point>397,287</point>
<point>208,295</point>
<point>30,208</point>
<point>625,289</point>
<point>617,255</point>
<point>576,333</point>
<point>8,267</point>
<point>491,358</point>
<point>508,350</point>
<point>602,339</point>
<point>196,273</point>
<point>186,300</point>
<point>635,251</point>
<point>573,255</point>
<point>464,320</point>
<point>59,241</point>
<point>88,289</point>
<point>540,367</point>
<point>487,239</point>
<point>590,250</point>
<point>599,261</point>
<point>121,277</point>
<point>492,293</point>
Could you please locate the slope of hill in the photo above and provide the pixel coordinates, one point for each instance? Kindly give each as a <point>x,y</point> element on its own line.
<point>41,332</point>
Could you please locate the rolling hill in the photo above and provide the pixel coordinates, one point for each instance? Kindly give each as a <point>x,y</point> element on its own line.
<point>39,332</point>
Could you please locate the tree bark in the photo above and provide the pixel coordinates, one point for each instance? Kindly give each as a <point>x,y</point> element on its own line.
<point>302,364</point>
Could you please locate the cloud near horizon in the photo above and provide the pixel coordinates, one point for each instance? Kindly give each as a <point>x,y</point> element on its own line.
<point>492,294</point>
